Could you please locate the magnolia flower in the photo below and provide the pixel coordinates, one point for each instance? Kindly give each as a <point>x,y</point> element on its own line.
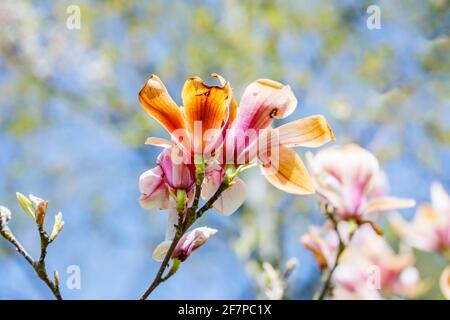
<point>430,228</point>
<point>445,283</point>
<point>349,180</point>
<point>370,269</point>
<point>188,243</point>
<point>210,125</point>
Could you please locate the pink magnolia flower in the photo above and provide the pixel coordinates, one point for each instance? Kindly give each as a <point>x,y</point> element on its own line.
<point>191,241</point>
<point>430,228</point>
<point>223,123</point>
<point>349,180</point>
<point>370,269</point>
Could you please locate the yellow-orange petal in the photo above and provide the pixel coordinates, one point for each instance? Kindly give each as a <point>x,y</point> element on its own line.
<point>286,171</point>
<point>204,103</point>
<point>309,132</point>
<point>155,99</point>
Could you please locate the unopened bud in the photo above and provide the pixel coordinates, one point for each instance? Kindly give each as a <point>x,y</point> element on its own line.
<point>291,264</point>
<point>5,215</point>
<point>57,227</point>
<point>41,210</point>
<point>26,204</point>
<point>56,277</point>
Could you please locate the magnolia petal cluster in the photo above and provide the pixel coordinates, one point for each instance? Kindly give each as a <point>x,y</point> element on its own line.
<point>371,263</point>
<point>211,125</point>
<point>348,180</point>
<point>369,268</point>
<point>430,228</point>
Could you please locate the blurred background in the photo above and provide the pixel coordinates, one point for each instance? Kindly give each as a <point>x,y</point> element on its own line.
<point>72,130</point>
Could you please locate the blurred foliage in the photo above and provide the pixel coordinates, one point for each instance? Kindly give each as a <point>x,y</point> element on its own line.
<point>385,89</point>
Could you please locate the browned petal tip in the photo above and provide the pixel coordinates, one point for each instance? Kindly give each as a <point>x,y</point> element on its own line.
<point>223,82</point>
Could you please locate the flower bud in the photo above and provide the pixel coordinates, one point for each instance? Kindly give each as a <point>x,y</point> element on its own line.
<point>154,192</point>
<point>57,227</point>
<point>26,204</point>
<point>5,215</point>
<point>56,277</point>
<point>179,172</point>
<point>192,240</point>
<point>41,208</point>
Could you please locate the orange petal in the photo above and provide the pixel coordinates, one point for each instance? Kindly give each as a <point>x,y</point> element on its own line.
<point>287,172</point>
<point>155,99</point>
<point>387,203</point>
<point>310,132</point>
<point>204,103</point>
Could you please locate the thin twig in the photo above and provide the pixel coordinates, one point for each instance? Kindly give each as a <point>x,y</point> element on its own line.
<point>38,266</point>
<point>182,228</point>
<point>327,283</point>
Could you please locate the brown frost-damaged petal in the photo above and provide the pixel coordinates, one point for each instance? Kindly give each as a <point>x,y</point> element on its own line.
<point>155,99</point>
<point>204,103</point>
<point>286,171</point>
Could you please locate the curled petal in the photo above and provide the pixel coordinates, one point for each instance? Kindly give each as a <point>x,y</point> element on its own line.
<point>154,193</point>
<point>387,203</point>
<point>262,101</point>
<point>444,282</point>
<point>310,132</point>
<point>192,240</point>
<point>155,99</point>
<point>286,171</point>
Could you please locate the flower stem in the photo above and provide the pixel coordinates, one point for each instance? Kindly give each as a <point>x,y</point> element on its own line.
<point>182,228</point>
<point>327,285</point>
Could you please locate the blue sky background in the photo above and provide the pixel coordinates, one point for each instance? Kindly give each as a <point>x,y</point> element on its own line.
<point>72,130</point>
